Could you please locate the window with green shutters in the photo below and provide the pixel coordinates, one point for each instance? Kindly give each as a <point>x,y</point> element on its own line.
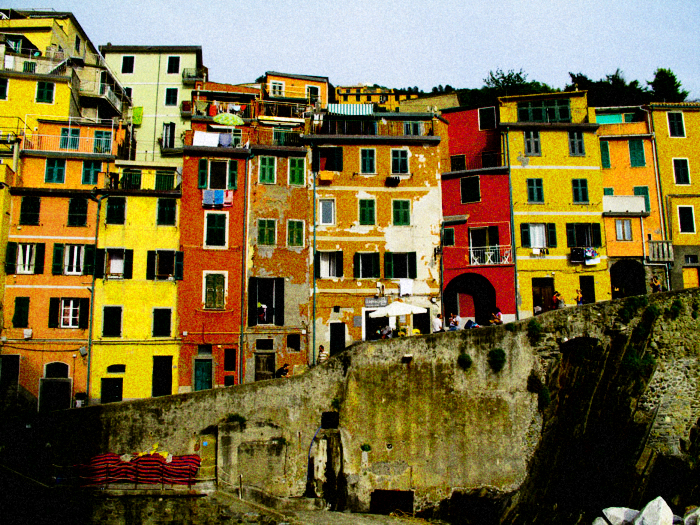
<point>367,212</point>
<point>91,170</point>
<point>644,192</point>
<point>367,161</point>
<point>583,235</point>
<point>103,142</point>
<point>29,211</point>
<point>366,266</point>
<point>116,210</point>
<point>637,159</point>
<point>608,191</point>
<point>681,172</point>
<point>44,92</point>
<point>576,148</point>
<point>267,234</point>
<point>77,211</point>
<point>167,212</point>
<point>3,88</point>
<point>532,143</point>
<point>544,111</point>
<point>535,192</point>
<point>401,212</point>
<point>203,173</point>
<point>605,153</point>
<point>216,229</point>
<point>267,170</point>
<point>399,161</point>
<point>70,138</point>
<point>20,319</point>
<point>675,124</point>
<point>580,190</point>
<point>214,290</point>
<point>400,265</point>
<point>165,180</point>
<point>295,233</point>
<point>533,235</point>
<point>55,171</point>
<point>296,171</point>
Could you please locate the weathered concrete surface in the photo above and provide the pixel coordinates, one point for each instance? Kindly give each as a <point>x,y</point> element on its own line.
<point>411,419</point>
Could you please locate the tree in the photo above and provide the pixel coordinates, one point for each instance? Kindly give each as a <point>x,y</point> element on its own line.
<point>613,90</point>
<point>499,84</point>
<point>666,87</point>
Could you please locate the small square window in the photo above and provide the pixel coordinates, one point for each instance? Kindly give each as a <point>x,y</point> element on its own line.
<point>55,171</point>
<point>399,161</point>
<point>580,190</point>
<point>167,212</point>
<point>171,96</point>
<point>77,211</point>
<point>173,65</point>
<point>44,92</point>
<point>91,170</point>
<point>535,193</point>
<point>127,64</point>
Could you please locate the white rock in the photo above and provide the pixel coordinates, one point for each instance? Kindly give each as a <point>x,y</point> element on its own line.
<point>618,516</point>
<point>692,518</point>
<point>656,512</point>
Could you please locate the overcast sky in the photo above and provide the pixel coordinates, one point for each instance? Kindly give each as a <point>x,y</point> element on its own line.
<point>411,42</point>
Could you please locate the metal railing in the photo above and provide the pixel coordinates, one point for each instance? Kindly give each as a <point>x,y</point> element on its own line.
<point>192,74</point>
<point>259,136</point>
<point>491,255</point>
<point>68,144</point>
<point>101,89</point>
<point>660,251</point>
<point>141,180</point>
<point>373,127</point>
<point>266,108</point>
<point>485,160</point>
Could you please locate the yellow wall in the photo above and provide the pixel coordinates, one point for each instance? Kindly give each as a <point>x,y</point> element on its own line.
<point>21,100</point>
<point>296,87</point>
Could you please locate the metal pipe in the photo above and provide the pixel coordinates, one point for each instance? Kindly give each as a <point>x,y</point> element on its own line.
<point>241,338</point>
<point>313,254</point>
<point>512,230</point>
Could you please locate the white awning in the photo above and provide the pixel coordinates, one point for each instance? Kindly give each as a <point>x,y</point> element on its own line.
<point>351,109</point>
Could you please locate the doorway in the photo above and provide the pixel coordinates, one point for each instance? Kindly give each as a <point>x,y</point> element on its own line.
<point>264,366</point>
<point>542,292</point>
<point>337,343</point>
<point>162,375</point>
<point>587,287</point>
<point>202,374</point>
<point>627,278</point>
<point>373,326</point>
<point>55,388</point>
<point>112,388</point>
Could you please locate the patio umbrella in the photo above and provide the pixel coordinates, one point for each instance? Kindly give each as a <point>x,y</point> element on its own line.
<point>397,308</point>
<point>228,119</point>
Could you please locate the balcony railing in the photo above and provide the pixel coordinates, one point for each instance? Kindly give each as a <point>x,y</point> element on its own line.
<point>489,159</point>
<point>161,180</point>
<point>68,144</point>
<point>491,255</point>
<point>103,90</point>
<point>245,138</point>
<point>660,251</point>
<point>190,75</point>
<point>372,127</point>
<point>267,108</point>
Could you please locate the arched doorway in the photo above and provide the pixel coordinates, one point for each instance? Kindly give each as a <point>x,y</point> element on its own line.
<point>55,388</point>
<point>472,295</point>
<point>627,278</point>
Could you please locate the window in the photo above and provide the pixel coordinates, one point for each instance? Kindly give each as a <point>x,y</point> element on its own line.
<point>296,171</point>
<point>44,92</point>
<point>448,237</point>
<point>637,159</point>
<point>77,211</point>
<point>267,170</point>
<point>487,118</point>
<point>27,259</point>
<point>171,96</point>
<point>267,233</point>
<point>161,322</point>
<point>55,171</point>
<point>470,189</point>
<point>70,313</point>
<point>608,191</point>
<point>689,259</point>
<point>367,164</point>
<point>29,211</point>
<point>295,233</point>
<point>218,174</point>
<point>327,159</point>
<point>165,180</point>
<point>605,153</point>
<point>91,169</point>
<point>686,219</point>
<point>116,369</point>
<point>277,89</point>
<point>458,162</point>
<point>114,263</point>
<point>328,264</point>
<point>644,192</point>
<point>127,65</point>
<point>20,319</point>
<point>173,65</point>
<point>580,190</point>
<point>166,212</point>
<point>70,138</point>
<point>116,210</point>
<point>313,93</point>
<point>77,44</point>
<point>73,258</point>
<point>675,124</point>
<point>112,321</point>
<point>29,67</point>
<point>367,212</point>
<point>214,290</point>
<point>127,92</point>
<point>366,266</point>
<point>532,143</point>
<point>399,161</point>
<point>327,211</point>
<point>164,265</point>
<point>103,142</point>
<point>266,301</point>
<point>544,111</point>
<point>168,138</point>
<point>293,343</point>
<point>401,212</point>
<point>583,235</point>
<point>681,171</point>
<point>3,88</point>
<point>538,235</point>
<point>400,265</point>
<point>576,148</point>
<point>216,229</point>
<point>623,229</point>
<point>412,128</point>
<point>535,193</point>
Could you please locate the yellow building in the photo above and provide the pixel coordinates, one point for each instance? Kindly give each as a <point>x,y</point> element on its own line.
<point>134,330</point>
<point>636,244</point>
<point>676,128</point>
<point>554,158</point>
<point>385,98</point>
<point>296,88</point>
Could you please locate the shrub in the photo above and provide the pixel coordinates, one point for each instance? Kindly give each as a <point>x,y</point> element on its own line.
<point>497,359</point>
<point>335,404</point>
<point>534,383</point>
<point>365,447</point>
<point>543,398</point>
<point>510,327</point>
<point>534,331</point>
<point>676,308</point>
<point>464,360</point>
<point>234,418</point>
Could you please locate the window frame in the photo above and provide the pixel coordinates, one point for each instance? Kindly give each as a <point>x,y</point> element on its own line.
<point>605,154</point>
<point>579,189</point>
<point>173,59</point>
<point>399,216</point>
<point>206,228</point>
<point>676,171</point>
<point>299,225</point>
<point>115,308</point>
<point>29,217</point>
<point>495,121</point>
<point>577,147</point>
<point>364,161</point>
<point>332,262</point>
<point>549,234</point>
<point>110,217</point>
<point>89,170</point>
<point>224,292</point>
<point>300,171</point>
<point>267,232</point>
<point>360,213</point>
<point>672,133</point>
<point>44,95</point>
<point>531,142</point>
<point>102,141</point>
<point>463,189</point>
<point>399,157</point>
<point>77,218</point>
<point>161,218</point>
<point>331,203</point>
<point>266,171</point>
<point>204,175</point>
<point>73,253</point>
<point>170,321</point>
<point>70,139</point>
<point>410,265</point>
<point>362,269</point>
<point>535,191</point>
<point>55,171</point>
<point>128,64</point>
<point>680,220</point>
<point>277,88</point>
<point>73,315</point>
<point>623,230</point>
<point>168,100</point>
<point>26,250</point>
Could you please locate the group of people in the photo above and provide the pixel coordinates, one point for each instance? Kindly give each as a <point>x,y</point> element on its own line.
<point>454,323</point>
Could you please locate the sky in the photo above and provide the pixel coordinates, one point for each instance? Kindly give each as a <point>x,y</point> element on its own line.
<point>410,42</point>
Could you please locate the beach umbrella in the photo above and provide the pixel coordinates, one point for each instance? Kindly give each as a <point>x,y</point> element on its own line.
<point>396,309</point>
<point>228,119</point>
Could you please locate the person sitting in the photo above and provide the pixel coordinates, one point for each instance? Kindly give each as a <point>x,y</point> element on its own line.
<point>496,317</point>
<point>283,371</point>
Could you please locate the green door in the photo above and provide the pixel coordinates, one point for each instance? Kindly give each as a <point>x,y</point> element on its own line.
<point>202,374</point>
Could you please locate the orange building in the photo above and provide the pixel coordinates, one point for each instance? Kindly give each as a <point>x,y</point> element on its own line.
<point>296,88</point>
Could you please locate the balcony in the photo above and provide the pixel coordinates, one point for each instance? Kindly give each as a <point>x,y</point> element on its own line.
<point>135,179</point>
<point>245,138</point>
<point>490,255</point>
<point>487,159</point>
<point>64,144</point>
<point>266,108</point>
<point>101,90</point>
<point>186,109</point>
<point>660,251</point>
<point>366,127</point>
<point>191,75</point>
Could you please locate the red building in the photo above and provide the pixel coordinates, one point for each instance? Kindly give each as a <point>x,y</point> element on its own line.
<point>478,257</point>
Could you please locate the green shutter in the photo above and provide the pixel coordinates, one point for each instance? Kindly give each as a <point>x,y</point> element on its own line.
<point>84,313</point>
<point>605,153</point>
<point>128,264</point>
<point>525,235</point>
<point>636,147</point>
<point>179,265</point>
<point>57,265</point>
<point>89,260</point>
<point>388,265</point>
<point>375,265</point>
<point>11,258</point>
<point>356,265</point>
<point>54,310</point>
<point>608,191</point>
<point>20,319</point>
<point>150,265</point>
<point>39,258</point>
<point>317,265</point>
<point>570,235</point>
<point>551,235</point>
<point>643,191</point>
<point>202,179</point>
<point>232,174</point>
<point>596,238</point>
<point>412,265</point>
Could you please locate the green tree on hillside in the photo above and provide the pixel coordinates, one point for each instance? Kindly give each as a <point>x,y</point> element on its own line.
<point>666,87</point>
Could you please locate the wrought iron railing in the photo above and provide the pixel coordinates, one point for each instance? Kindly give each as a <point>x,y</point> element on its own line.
<point>67,144</point>
<point>491,255</point>
<point>373,127</point>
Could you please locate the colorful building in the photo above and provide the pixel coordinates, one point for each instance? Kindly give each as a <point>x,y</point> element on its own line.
<point>385,99</point>
<point>478,268</point>
<point>676,128</point>
<point>634,231</point>
<point>377,219</point>
<point>304,89</point>
<point>553,154</point>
